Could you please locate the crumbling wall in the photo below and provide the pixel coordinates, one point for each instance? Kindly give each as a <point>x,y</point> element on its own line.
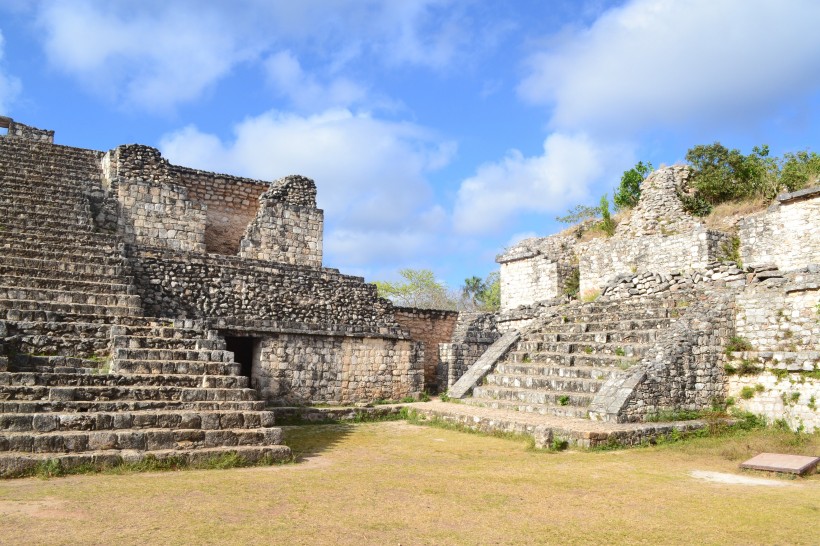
<point>304,369</point>
<point>683,370</point>
<point>658,237</point>
<point>786,235</point>
<point>536,269</point>
<point>231,204</point>
<point>18,130</point>
<point>288,226</point>
<point>431,327</point>
<point>154,210</point>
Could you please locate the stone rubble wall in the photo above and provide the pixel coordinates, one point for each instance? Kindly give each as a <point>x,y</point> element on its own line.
<point>274,296</point>
<point>304,369</point>
<point>432,327</point>
<point>473,334</point>
<point>288,227</point>
<point>683,370</point>
<point>232,203</point>
<point>26,132</point>
<point>786,235</point>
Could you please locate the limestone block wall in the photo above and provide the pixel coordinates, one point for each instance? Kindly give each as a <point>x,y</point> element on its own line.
<point>603,260</point>
<point>782,314</point>
<point>536,269</point>
<point>231,204</point>
<point>430,327</point>
<point>304,369</point>
<point>259,294</point>
<point>288,226</point>
<point>787,235</point>
<point>160,215</point>
<point>18,130</point>
<point>793,398</point>
<point>473,334</point>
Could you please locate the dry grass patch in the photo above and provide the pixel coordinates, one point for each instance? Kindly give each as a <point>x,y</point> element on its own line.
<point>724,217</point>
<point>396,483</point>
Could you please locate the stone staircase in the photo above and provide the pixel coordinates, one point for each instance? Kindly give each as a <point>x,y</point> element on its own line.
<point>84,377</point>
<point>561,361</point>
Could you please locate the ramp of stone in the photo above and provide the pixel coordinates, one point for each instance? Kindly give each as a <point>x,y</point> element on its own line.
<point>548,429</point>
<point>483,365</point>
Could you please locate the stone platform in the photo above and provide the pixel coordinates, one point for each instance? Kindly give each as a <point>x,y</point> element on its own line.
<point>548,428</point>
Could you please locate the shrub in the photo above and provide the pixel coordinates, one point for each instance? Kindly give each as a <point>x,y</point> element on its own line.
<point>629,191</point>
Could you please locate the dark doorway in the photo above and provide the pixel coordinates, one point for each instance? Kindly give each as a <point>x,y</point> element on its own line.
<point>245,350</point>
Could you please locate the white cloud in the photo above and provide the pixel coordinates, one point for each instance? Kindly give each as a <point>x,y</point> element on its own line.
<point>304,90</point>
<point>667,62</point>
<point>550,182</point>
<point>156,54</point>
<point>9,85</point>
<point>151,55</point>
<point>371,174</point>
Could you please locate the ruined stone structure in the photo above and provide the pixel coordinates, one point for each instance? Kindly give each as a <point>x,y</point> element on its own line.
<point>671,322</point>
<point>147,308</point>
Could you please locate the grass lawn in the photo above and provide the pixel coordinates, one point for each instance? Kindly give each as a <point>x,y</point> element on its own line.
<point>397,483</point>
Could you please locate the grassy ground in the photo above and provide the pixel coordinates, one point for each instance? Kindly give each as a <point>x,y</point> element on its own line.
<point>397,483</point>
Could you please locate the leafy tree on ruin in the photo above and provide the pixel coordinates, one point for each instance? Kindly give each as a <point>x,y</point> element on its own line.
<point>629,191</point>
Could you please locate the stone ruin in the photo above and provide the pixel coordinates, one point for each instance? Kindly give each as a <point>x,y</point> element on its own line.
<point>673,316</point>
<point>148,309</point>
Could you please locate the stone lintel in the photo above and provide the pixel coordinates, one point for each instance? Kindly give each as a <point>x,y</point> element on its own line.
<point>799,195</point>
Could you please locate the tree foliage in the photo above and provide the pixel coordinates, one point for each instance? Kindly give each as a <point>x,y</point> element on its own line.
<point>419,288</point>
<point>722,175</point>
<point>629,191</point>
<point>482,294</point>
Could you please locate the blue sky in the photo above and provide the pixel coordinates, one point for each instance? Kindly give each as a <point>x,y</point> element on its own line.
<point>438,131</point>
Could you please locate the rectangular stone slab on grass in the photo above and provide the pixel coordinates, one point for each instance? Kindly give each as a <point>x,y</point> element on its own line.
<point>777,462</point>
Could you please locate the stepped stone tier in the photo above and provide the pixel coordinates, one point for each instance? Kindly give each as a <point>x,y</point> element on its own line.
<point>152,309</point>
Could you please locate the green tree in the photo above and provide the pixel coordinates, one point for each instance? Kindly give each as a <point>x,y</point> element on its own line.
<point>607,224</point>
<point>629,191</point>
<point>419,288</point>
<point>799,170</point>
<point>482,294</point>
<point>721,174</point>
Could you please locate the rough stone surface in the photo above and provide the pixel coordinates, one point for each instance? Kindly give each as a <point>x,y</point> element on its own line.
<point>431,327</point>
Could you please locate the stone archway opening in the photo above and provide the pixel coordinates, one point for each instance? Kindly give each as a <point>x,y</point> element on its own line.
<point>246,353</point>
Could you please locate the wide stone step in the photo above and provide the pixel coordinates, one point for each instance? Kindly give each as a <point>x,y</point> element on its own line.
<point>19,464</point>
<point>142,439</point>
<point>186,367</point>
<point>629,336</point>
<point>165,330</point>
<point>65,346</point>
<point>98,421</point>
<point>526,348</point>
<point>528,396</point>
<point>67,296</point>
<point>165,355</point>
<point>574,359</point>
<point>82,226</point>
<point>82,406</point>
<point>14,210</point>
<point>49,267</point>
<point>541,409</point>
<point>61,238</point>
<point>53,280</point>
<point>605,326</point>
<point>575,385</point>
<point>99,379</point>
<point>532,369</point>
<point>137,392</point>
<point>46,191</point>
<point>187,344</point>
<point>48,254</point>
<point>54,313</point>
